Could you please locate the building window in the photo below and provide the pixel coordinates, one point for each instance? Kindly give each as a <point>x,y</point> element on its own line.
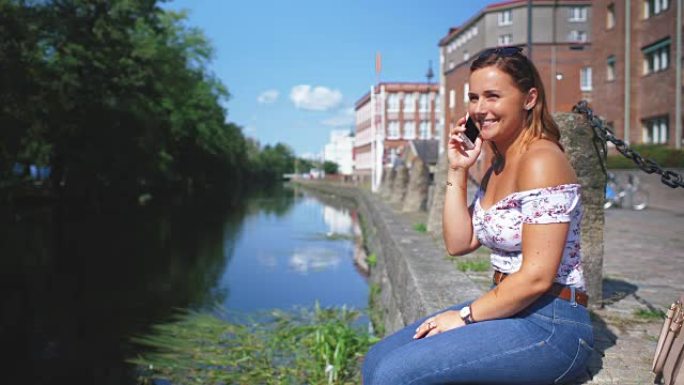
<point>577,36</point>
<point>655,130</point>
<point>438,99</point>
<point>506,17</point>
<point>505,39</point>
<point>578,14</point>
<point>585,79</point>
<point>654,7</point>
<point>657,57</point>
<point>423,101</point>
<point>409,103</point>
<point>409,129</point>
<point>424,129</point>
<point>610,16</point>
<point>610,68</point>
<point>393,130</point>
<point>452,99</point>
<point>393,102</point>
<point>466,56</point>
<point>466,90</point>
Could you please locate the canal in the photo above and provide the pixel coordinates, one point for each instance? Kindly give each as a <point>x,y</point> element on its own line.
<point>77,285</point>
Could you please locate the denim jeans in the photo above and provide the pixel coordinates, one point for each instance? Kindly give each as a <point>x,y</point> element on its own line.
<point>549,342</point>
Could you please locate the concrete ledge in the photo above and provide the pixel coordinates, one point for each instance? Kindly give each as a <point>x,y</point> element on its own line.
<point>414,276</point>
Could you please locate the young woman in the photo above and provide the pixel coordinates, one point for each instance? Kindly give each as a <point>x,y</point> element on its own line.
<point>532,327</point>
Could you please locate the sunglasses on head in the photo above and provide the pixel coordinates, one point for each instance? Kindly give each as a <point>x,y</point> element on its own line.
<point>501,51</point>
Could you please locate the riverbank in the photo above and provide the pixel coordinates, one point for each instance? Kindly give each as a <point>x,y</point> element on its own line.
<point>638,278</point>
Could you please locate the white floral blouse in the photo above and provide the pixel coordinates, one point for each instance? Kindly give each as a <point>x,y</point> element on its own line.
<point>500,227</point>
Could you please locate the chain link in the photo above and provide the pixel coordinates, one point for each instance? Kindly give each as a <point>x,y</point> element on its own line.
<point>605,134</point>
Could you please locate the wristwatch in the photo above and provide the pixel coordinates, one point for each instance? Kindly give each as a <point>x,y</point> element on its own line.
<point>466,315</point>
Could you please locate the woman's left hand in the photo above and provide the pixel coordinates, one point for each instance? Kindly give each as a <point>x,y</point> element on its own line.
<point>442,322</point>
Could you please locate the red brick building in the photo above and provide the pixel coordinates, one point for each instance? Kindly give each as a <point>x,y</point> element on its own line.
<point>635,49</point>
<point>389,116</point>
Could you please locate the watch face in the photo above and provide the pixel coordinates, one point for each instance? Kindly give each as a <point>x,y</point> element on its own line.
<point>465,312</point>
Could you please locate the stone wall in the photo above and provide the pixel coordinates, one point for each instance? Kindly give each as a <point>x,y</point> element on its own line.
<point>412,272</point>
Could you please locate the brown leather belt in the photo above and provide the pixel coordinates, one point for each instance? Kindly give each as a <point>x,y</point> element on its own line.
<point>557,290</point>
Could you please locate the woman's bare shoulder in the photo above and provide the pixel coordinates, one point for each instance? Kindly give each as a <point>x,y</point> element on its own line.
<point>544,164</point>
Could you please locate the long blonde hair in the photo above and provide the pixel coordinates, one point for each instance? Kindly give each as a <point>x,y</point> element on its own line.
<point>539,123</point>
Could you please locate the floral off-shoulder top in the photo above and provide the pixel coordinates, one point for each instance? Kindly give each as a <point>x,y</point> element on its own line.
<point>500,227</point>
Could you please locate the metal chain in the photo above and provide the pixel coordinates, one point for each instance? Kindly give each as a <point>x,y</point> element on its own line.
<point>649,166</point>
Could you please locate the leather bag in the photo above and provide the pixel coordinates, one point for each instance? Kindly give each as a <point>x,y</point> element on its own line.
<point>669,354</point>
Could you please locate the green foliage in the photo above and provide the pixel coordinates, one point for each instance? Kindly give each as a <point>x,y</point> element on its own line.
<point>313,347</point>
<point>649,314</point>
<point>330,167</point>
<point>372,260</point>
<point>420,227</point>
<point>473,265</point>
<point>375,309</point>
<point>664,156</point>
<point>116,98</point>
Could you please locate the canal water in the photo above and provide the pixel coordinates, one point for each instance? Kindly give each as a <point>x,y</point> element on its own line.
<point>75,286</point>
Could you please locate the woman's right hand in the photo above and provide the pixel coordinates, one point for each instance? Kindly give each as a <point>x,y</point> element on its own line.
<point>459,157</point>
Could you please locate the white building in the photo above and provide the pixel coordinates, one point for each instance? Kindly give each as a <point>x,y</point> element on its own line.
<point>340,150</point>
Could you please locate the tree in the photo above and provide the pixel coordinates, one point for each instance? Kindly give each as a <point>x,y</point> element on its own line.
<point>330,167</point>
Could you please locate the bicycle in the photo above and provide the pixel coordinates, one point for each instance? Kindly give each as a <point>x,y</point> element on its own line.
<point>629,194</point>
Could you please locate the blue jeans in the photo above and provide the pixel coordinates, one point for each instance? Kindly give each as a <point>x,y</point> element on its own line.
<point>549,342</point>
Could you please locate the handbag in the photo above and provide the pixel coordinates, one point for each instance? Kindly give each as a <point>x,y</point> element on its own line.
<point>669,354</point>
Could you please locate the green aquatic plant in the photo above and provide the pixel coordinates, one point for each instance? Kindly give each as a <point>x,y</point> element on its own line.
<point>372,260</point>
<point>319,346</point>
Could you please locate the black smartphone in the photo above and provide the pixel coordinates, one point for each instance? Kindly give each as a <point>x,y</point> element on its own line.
<point>471,133</point>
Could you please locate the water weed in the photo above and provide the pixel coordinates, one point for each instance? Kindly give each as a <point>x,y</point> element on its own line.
<point>319,346</point>
<point>420,227</point>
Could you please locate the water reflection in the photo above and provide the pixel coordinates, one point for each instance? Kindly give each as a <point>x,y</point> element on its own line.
<point>75,285</point>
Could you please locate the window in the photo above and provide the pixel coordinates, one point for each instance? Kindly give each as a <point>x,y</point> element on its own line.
<point>466,55</point>
<point>393,102</point>
<point>657,57</point>
<point>505,39</point>
<point>452,99</point>
<point>438,99</point>
<point>610,68</point>
<point>505,17</point>
<point>409,129</point>
<point>466,89</point>
<point>578,14</point>
<point>409,103</point>
<point>423,101</point>
<point>424,129</point>
<point>610,16</point>
<point>577,36</point>
<point>654,7</point>
<point>655,130</point>
<point>585,79</point>
<point>393,130</point>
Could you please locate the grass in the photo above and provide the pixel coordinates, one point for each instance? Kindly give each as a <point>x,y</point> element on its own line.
<point>420,227</point>
<point>374,309</point>
<point>648,314</point>
<point>319,346</point>
<point>372,260</point>
<point>478,265</point>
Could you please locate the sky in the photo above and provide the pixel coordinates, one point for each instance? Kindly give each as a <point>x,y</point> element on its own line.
<point>294,69</point>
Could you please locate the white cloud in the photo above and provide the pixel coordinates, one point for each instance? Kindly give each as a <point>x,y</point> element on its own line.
<point>344,118</point>
<point>313,259</point>
<point>268,97</point>
<point>315,98</point>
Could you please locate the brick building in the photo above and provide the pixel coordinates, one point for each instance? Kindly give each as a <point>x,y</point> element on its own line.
<point>561,50</point>
<point>643,32</point>
<point>386,118</point>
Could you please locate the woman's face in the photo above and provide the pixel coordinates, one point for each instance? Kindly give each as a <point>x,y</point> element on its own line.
<point>496,104</point>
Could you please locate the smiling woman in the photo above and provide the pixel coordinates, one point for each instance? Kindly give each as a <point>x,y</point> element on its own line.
<point>532,327</point>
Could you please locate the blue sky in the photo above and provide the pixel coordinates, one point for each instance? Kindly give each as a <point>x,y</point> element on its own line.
<point>295,68</point>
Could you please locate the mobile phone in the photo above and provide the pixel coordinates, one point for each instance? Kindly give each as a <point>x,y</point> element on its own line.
<point>471,133</point>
